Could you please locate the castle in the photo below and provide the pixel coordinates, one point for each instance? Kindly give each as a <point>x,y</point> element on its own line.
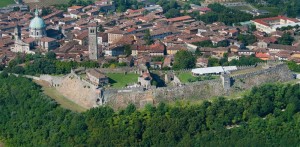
<point>89,95</point>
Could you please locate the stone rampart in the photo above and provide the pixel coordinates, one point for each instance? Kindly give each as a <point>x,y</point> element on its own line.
<point>279,73</point>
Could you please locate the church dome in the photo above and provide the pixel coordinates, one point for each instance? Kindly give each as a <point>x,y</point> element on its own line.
<point>37,22</point>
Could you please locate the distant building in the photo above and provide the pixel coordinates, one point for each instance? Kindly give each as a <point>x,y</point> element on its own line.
<point>37,37</point>
<point>93,43</point>
<point>270,24</point>
<point>96,77</point>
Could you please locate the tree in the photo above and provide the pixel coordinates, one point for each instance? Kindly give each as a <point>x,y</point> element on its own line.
<point>198,52</point>
<point>247,39</point>
<point>184,60</point>
<point>286,39</point>
<point>172,13</point>
<point>213,62</point>
<point>51,55</point>
<point>148,39</point>
<point>127,49</point>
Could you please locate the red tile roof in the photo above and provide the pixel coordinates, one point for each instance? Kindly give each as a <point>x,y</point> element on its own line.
<point>182,18</point>
<point>264,21</point>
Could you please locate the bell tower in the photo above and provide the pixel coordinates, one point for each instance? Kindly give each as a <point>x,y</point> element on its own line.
<point>93,43</point>
<point>17,32</point>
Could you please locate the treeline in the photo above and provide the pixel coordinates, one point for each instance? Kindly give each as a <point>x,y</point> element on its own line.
<point>291,8</point>
<point>186,60</point>
<point>242,61</point>
<point>221,13</point>
<point>267,116</point>
<point>48,64</point>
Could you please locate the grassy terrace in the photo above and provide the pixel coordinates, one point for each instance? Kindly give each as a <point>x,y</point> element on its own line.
<point>244,71</point>
<point>119,80</point>
<point>59,98</point>
<point>46,3</point>
<point>185,76</point>
<point>4,3</point>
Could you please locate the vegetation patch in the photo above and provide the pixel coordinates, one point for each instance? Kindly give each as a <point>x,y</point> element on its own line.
<point>119,80</point>
<point>187,77</point>
<point>4,3</point>
<point>267,116</point>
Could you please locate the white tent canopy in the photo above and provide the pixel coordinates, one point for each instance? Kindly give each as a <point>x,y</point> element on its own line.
<point>213,70</point>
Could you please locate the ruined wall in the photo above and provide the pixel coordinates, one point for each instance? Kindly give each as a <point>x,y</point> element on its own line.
<point>193,91</point>
<point>79,91</point>
<point>86,94</point>
<point>280,73</point>
<point>201,89</point>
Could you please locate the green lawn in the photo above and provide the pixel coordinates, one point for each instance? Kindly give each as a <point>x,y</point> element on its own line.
<point>4,3</point>
<point>119,80</point>
<point>185,76</point>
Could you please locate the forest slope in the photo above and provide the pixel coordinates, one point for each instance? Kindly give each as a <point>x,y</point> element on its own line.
<point>268,115</point>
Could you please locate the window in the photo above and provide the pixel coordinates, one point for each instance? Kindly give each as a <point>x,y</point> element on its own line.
<point>37,33</point>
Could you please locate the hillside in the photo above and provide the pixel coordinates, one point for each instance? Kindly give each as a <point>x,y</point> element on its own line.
<point>267,116</point>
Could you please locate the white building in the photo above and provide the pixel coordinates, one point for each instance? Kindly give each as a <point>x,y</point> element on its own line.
<point>37,37</point>
<point>270,25</point>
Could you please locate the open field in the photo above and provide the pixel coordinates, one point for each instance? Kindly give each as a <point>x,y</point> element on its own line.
<point>4,3</point>
<point>246,7</point>
<point>184,77</point>
<point>45,3</point>
<point>59,98</point>
<point>119,80</point>
<point>244,71</point>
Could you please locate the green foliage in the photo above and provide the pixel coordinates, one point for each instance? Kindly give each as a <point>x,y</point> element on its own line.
<point>37,64</point>
<point>213,62</point>
<point>29,118</point>
<point>113,64</point>
<point>293,66</point>
<point>128,50</point>
<point>148,39</point>
<point>172,13</point>
<point>157,59</point>
<point>243,61</point>
<point>46,11</point>
<point>223,14</point>
<point>206,43</point>
<point>51,55</point>
<point>247,39</point>
<point>184,60</point>
<point>286,39</point>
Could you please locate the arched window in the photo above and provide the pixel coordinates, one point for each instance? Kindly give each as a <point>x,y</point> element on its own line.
<point>37,33</point>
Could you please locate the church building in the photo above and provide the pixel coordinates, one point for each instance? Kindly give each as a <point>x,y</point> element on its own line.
<point>37,40</point>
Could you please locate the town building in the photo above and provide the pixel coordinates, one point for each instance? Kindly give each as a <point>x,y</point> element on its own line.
<point>271,24</point>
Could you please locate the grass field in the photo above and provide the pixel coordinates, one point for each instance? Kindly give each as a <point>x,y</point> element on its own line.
<point>185,76</point>
<point>119,80</point>
<point>59,98</point>
<point>247,7</point>
<point>46,3</point>
<point>4,3</point>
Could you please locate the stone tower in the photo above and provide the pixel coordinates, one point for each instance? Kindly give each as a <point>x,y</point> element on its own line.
<point>17,33</point>
<point>93,43</point>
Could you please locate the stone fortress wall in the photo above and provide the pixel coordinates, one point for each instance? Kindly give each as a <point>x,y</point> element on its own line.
<point>88,95</point>
<point>225,85</point>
